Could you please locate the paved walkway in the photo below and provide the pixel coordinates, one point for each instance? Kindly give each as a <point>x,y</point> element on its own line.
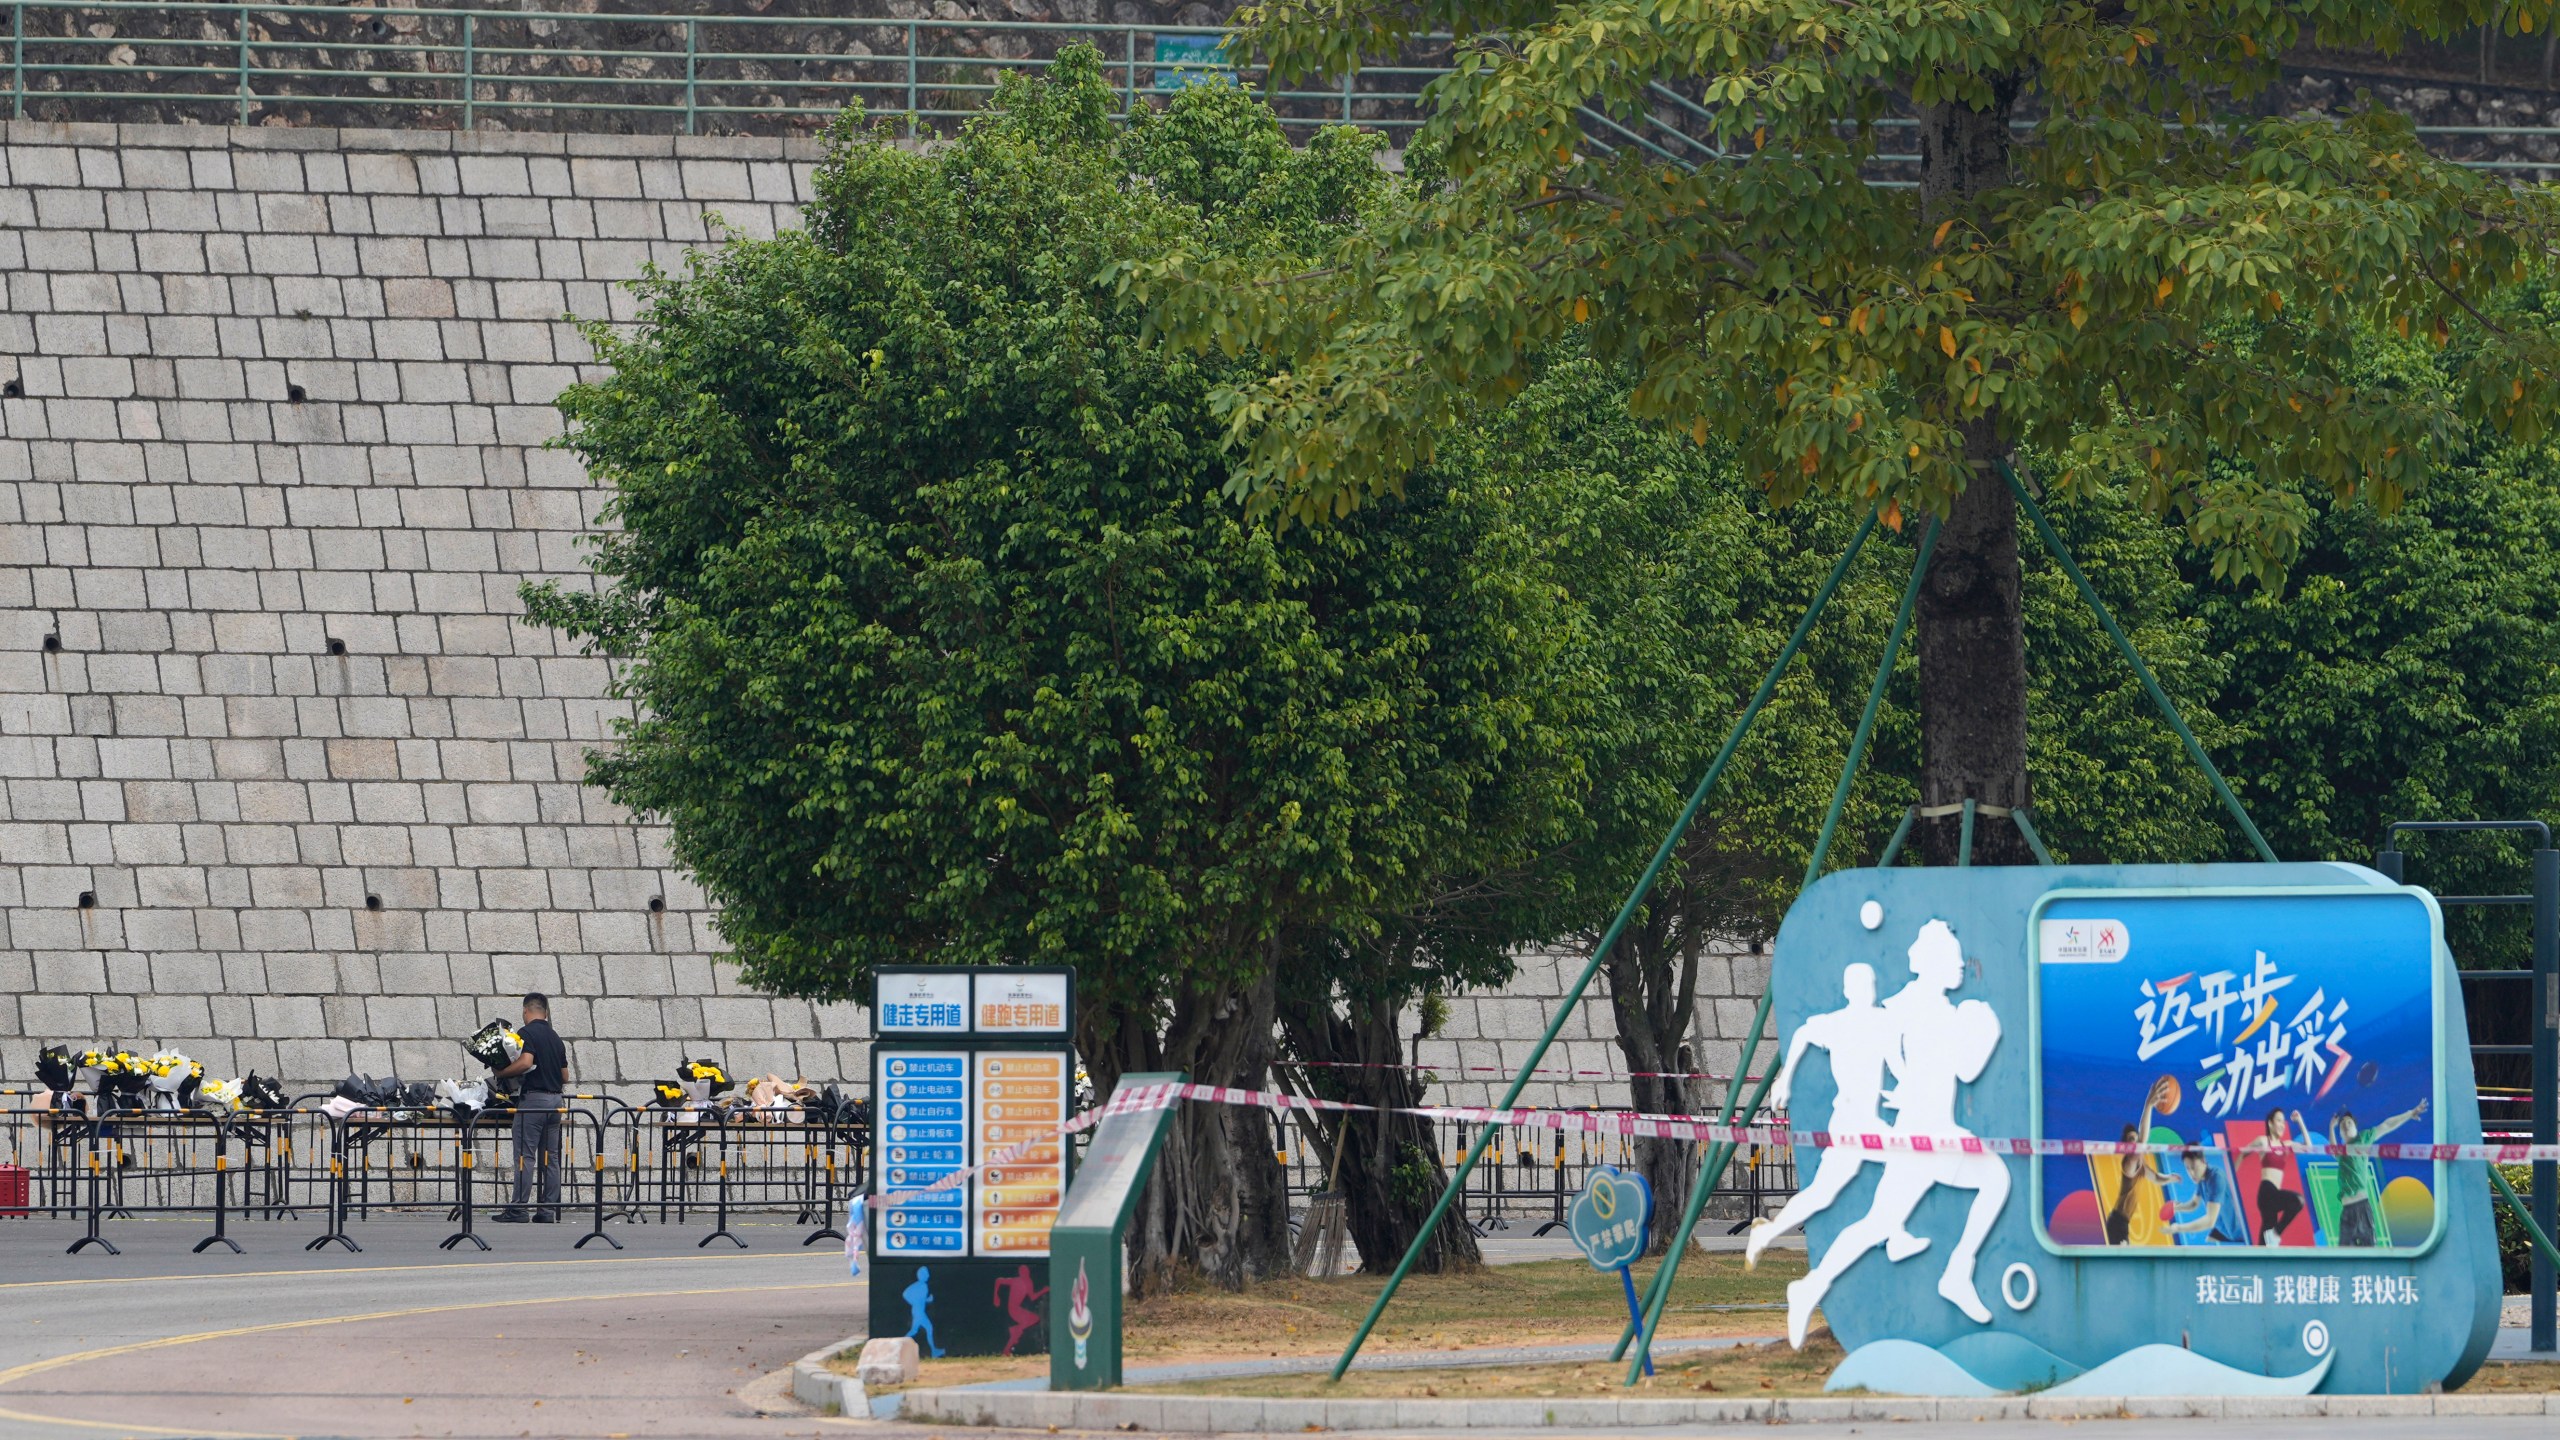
<point>532,1340</point>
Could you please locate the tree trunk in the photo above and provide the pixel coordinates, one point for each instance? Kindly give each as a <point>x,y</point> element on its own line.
<point>1973,668</point>
<point>1386,1166</point>
<point>1217,1206</point>
<point>1653,992</point>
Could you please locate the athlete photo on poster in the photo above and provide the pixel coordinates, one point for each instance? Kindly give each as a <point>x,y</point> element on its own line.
<point>2242,1031</point>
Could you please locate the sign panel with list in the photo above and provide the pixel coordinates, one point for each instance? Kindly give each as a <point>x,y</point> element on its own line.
<point>1022,1096</point>
<point>923,1109</point>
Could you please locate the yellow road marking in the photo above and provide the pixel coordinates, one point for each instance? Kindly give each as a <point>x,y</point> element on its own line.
<point>37,1367</point>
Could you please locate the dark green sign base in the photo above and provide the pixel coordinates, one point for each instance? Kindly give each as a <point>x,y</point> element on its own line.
<point>965,1307</point>
<point>1086,1245</point>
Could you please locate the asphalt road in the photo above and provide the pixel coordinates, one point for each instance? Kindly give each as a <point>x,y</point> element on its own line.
<point>534,1339</point>
<point>404,1339</point>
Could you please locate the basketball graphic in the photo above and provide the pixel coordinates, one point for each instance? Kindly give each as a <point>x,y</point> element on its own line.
<point>2166,1097</point>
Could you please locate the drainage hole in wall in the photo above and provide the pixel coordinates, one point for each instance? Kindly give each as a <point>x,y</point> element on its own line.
<point>52,643</point>
<point>337,646</point>
<point>373,902</point>
<point>657,903</point>
<point>88,899</point>
<point>296,394</point>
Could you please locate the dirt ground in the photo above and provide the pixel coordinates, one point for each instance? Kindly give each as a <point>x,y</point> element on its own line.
<point>1763,1369</point>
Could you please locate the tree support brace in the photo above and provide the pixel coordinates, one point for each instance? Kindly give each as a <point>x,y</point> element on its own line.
<point>1600,952</point>
<point>2115,632</point>
<point>1719,1154</point>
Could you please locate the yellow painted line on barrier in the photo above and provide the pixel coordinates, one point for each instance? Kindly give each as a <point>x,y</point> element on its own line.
<point>394,1269</point>
<point>109,1352</point>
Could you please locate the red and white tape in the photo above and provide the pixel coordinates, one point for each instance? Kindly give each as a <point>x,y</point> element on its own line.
<point>1140,1098</point>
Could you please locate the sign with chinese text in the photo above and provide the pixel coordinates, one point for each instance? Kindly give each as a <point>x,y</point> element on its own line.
<point>1022,1002</point>
<point>921,1105</point>
<point>2238,1026</point>
<point>1022,1099</point>
<point>2090,1130</point>
<point>922,1002</point>
<point>969,1064</point>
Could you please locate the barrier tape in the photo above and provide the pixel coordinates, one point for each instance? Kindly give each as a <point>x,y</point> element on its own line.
<point>1691,1127</point>
<point>1511,1070</point>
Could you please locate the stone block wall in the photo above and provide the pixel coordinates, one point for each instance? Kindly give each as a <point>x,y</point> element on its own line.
<point>1487,1035</point>
<point>284,781</point>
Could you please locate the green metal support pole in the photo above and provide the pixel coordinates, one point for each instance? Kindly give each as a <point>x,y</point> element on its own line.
<point>1129,85</point>
<point>470,71</point>
<point>1964,834</point>
<point>2027,832</point>
<point>1722,1151</point>
<point>244,64</point>
<point>692,72</point>
<point>18,61</point>
<point>911,80</point>
<point>1600,952</point>
<point>2524,1215</point>
<point>2133,657</point>
<point>1901,832</point>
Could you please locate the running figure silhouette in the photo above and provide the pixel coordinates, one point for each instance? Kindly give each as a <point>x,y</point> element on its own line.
<point>1932,1046</point>
<point>1856,1036</point>
<point>919,1298</point>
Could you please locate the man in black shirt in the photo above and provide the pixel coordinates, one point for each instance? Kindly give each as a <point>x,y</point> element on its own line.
<point>544,1066</point>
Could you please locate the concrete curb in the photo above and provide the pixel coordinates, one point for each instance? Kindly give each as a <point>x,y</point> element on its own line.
<point>816,1386</point>
<point>1214,1414</point>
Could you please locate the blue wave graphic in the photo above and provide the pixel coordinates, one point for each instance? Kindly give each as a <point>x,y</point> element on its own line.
<point>1994,1363</point>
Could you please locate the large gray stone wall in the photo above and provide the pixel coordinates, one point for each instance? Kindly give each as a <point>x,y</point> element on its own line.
<point>284,781</point>
<point>1488,1035</point>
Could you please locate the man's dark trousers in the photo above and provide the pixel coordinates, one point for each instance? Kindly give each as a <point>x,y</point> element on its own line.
<point>537,1135</point>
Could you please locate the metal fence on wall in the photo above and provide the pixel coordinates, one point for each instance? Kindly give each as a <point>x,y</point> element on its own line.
<point>213,62</point>
<point>227,62</point>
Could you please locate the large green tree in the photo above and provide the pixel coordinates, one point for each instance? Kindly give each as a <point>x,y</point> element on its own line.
<point>2105,257</point>
<point>947,649</point>
<point>1682,582</point>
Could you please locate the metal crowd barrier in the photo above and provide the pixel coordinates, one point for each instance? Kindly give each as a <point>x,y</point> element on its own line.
<point>1529,1177</point>
<point>618,1163</point>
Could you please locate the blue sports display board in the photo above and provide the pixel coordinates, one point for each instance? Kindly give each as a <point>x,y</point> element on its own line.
<point>2239,1025</point>
<point>2231,1013</point>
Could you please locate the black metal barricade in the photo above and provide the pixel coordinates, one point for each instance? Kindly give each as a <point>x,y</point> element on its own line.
<point>349,1164</point>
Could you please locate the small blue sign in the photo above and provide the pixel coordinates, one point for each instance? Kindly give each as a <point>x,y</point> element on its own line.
<point>1609,1222</point>
<point>1610,1217</point>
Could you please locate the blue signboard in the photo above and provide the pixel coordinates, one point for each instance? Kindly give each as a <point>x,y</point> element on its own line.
<point>921,1110</point>
<point>1183,61</point>
<point>1971,1035</point>
<point>1609,1217</point>
<point>2238,1026</point>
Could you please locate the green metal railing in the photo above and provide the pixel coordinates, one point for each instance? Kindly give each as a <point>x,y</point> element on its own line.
<point>216,61</point>
<point>231,62</point>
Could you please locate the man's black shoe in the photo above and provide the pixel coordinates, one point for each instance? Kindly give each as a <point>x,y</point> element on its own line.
<point>545,1217</point>
<point>509,1217</point>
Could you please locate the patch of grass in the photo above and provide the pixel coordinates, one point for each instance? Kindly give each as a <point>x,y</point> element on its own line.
<point>1547,1302</point>
<point>2539,1376</point>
